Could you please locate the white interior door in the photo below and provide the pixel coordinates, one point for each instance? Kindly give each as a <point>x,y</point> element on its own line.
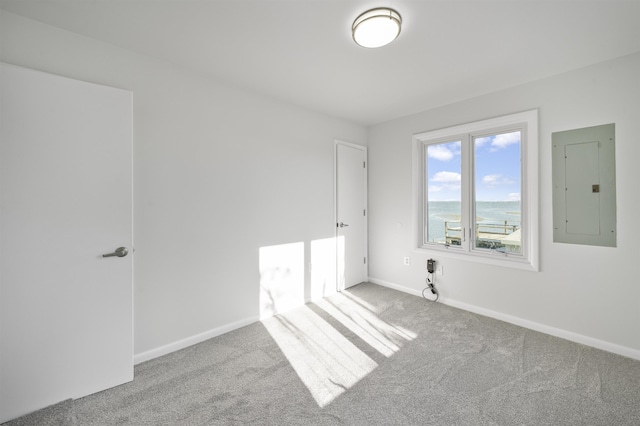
<point>351,219</point>
<point>66,323</point>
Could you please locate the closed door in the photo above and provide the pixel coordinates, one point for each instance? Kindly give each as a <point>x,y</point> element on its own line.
<point>351,223</point>
<point>66,323</point>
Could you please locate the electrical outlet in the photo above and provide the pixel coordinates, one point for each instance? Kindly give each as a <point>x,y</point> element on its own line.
<point>407,261</point>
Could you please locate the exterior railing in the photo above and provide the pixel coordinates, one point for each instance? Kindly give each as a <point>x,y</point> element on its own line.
<point>488,235</point>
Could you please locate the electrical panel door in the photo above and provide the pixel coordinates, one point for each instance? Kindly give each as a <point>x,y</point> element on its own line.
<point>584,190</point>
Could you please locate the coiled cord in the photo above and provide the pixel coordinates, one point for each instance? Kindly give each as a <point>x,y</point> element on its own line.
<point>430,286</point>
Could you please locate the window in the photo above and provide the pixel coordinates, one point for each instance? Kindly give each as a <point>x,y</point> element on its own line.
<point>476,190</point>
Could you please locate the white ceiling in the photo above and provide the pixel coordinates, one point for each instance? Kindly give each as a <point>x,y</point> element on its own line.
<point>300,51</point>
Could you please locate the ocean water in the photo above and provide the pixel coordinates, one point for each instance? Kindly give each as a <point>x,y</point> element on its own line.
<point>487,212</point>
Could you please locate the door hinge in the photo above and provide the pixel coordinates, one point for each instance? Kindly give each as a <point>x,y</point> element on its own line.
<point>364,212</point>
<point>365,260</point>
<point>364,164</point>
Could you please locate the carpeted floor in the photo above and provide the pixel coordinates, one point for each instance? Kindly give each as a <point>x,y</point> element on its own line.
<point>370,356</point>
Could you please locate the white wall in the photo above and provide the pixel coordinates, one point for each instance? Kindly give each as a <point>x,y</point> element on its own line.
<point>218,174</point>
<point>589,294</point>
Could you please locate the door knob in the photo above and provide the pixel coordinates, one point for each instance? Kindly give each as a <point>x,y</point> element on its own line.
<point>342,225</point>
<point>120,252</point>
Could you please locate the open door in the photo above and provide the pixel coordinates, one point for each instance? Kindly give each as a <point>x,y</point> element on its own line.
<point>66,312</point>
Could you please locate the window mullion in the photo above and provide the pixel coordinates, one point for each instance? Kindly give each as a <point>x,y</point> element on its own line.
<point>425,210</point>
<point>524,201</point>
<point>466,199</point>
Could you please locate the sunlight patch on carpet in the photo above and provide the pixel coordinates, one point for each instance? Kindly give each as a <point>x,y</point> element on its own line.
<point>326,361</point>
<point>382,336</point>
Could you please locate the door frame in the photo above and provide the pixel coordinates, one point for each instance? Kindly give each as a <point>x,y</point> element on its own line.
<point>362,148</point>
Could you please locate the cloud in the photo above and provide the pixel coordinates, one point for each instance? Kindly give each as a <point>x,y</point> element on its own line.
<point>500,141</point>
<point>490,179</point>
<point>451,190</point>
<point>446,177</point>
<point>443,152</point>
<point>446,181</point>
<point>506,139</point>
<point>497,179</point>
<point>482,141</point>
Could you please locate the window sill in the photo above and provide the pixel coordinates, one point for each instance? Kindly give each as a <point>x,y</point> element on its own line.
<point>488,258</point>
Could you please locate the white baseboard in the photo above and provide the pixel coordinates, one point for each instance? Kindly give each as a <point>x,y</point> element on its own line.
<point>395,286</point>
<point>532,325</point>
<point>189,341</point>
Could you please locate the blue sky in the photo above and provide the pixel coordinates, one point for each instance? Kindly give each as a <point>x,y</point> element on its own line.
<point>497,169</point>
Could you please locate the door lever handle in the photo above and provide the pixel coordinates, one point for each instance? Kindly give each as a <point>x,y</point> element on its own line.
<point>120,252</point>
<point>342,225</point>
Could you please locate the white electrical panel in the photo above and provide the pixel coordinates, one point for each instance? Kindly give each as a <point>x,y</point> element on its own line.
<point>584,186</point>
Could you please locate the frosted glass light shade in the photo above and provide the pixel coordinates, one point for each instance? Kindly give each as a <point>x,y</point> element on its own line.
<point>376,27</point>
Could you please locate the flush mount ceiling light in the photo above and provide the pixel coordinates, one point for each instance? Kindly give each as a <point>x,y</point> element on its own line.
<point>376,27</point>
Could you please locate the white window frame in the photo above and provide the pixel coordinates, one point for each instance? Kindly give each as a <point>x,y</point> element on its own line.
<point>527,122</point>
